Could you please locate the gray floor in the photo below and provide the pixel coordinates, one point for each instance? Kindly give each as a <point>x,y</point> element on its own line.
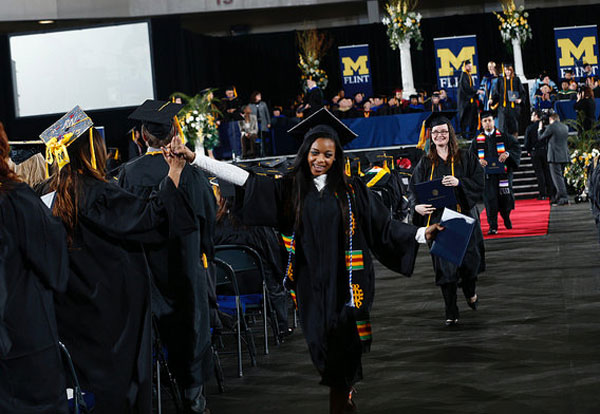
<point>532,347</point>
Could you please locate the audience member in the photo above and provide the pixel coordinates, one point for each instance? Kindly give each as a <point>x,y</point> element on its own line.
<point>586,107</point>
<point>249,132</point>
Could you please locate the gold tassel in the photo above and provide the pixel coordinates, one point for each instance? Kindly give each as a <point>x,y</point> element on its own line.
<point>347,169</point>
<point>179,130</point>
<point>92,152</point>
<point>422,137</point>
<point>478,121</point>
<point>133,134</point>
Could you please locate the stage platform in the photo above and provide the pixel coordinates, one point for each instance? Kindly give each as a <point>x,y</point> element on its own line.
<point>532,347</point>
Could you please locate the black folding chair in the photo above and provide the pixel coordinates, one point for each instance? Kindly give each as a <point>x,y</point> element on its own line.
<point>82,402</point>
<point>249,272</point>
<point>162,370</point>
<point>227,287</point>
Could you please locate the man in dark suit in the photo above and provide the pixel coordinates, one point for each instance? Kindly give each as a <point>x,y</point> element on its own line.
<point>558,156</point>
<point>538,151</point>
<point>467,102</point>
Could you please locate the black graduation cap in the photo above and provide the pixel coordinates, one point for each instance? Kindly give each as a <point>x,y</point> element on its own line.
<point>485,114</point>
<point>324,124</point>
<point>376,156</point>
<point>274,163</point>
<point>157,116</point>
<point>439,116</point>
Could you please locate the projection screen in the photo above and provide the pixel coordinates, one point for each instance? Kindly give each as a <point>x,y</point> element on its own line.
<point>96,68</point>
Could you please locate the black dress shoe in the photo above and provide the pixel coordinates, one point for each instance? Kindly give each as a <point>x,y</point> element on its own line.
<point>508,224</point>
<point>492,231</point>
<point>451,322</point>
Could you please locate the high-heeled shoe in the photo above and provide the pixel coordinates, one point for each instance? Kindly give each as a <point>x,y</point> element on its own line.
<point>473,304</point>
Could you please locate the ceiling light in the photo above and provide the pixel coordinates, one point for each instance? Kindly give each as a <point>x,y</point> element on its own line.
<point>46,21</point>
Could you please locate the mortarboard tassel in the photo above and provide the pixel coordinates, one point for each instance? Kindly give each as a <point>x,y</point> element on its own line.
<point>347,167</point>
<point>360,173</point>
<point>117,154</point>
<point>235,92</point>
<point>478,121</point>
<point>179,130</point>
<point>422,137</point>
<point>92,152</point>
<point>133,134</point>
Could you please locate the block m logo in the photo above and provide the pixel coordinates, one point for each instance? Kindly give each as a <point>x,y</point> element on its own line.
<point>450,63</point>
<point>352,66</point>
<point>569,52</point>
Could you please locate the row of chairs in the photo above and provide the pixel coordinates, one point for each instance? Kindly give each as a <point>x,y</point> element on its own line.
<point>242,294</point>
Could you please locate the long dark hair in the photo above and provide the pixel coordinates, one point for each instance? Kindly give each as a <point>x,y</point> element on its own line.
<point>302,179</point>
<point>6,174</point>
<point>453,149</point>
<point>69,182</point>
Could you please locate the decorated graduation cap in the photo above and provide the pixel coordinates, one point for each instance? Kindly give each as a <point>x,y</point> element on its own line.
<point>158,117</point>
<point>323,124</point>
<point>63,133</point>
<point>435,118</point>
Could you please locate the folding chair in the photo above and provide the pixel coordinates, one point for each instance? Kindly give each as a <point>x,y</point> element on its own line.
<point>249,272</point>
<point>228,296</point>
<point>159,355</point>
<point>79,402</point>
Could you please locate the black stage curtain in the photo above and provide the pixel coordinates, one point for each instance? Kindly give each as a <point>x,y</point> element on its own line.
<point>188,62</point>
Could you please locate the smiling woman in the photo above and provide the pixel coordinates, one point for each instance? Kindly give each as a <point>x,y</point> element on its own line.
<point>333,222</point>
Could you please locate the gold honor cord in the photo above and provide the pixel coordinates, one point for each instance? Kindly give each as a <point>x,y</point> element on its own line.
<point>92,151</point>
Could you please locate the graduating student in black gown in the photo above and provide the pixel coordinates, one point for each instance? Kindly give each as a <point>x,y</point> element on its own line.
<point>459,169</point>
<point>498,195</point>
<point>104,316</point>
<point>33,266</point>
<point>327,216</point>
<point>180,300</point>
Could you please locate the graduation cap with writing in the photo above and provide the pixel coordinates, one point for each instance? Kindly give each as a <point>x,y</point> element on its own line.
<point>323,124</point>
<point>63,133</point>
<point>158,117</point>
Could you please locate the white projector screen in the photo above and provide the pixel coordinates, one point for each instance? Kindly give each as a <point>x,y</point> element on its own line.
<point>96,68</point>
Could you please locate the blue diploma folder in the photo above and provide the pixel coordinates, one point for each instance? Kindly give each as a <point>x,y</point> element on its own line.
<point>494,166</point>
<point>451,243</point>
<point>435,193</point>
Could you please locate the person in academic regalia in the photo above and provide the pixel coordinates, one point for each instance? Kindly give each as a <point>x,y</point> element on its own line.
<point>498,195</point>
<point>332,224</point>
<point>33,266</point>
<point>179,273</point>
<point>460,170</point>
<point>594,190</point>
<point>313,101</point>
<point>467,101</point>
<point>507,97</point>
<point>104,316</point>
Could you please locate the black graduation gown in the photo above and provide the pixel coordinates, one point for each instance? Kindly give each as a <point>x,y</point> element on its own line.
<point>322,291</point>
<point>466,92</point>
<point>314,98</point>
<point>180,280</point>
<point>471,178</point>
<point>491,194</point>
<point>104,317</point>
<point>35,265</point>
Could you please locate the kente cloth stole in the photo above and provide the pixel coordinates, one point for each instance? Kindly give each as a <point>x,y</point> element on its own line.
<point>359,283</point>
<point>500,149</point>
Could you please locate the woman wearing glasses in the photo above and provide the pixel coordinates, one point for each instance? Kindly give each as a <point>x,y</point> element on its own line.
<point>458,169</point>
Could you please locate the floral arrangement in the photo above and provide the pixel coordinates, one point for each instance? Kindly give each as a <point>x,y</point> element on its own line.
<point>402,22</point>
<point>313,46</point>
<point>576,172</point>
<point>198,118</point>
<point>513,22</point>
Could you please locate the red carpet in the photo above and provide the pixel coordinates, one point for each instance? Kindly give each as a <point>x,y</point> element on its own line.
<point>529,218</point>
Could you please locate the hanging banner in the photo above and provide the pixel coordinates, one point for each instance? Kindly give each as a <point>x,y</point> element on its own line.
<point>355,66</point>
<point>450,53</point>
<point>575,47</point>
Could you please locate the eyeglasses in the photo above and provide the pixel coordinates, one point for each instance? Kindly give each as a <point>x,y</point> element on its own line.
<point>439,133</point>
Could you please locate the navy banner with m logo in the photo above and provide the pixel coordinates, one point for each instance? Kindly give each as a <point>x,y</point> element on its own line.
<point>355,67</point>
<point>576,46</point>
<point>450,53</point>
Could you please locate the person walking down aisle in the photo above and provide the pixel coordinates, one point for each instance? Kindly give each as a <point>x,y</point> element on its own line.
<point>333,221</point>
<point>507,97</point>
<point>33,267</point>
<point>104,316</point>
<point>460,170</point>
<point>491,145</point>
<point>538,150</point>
<point>179,273</point>
<point>556,134</point>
